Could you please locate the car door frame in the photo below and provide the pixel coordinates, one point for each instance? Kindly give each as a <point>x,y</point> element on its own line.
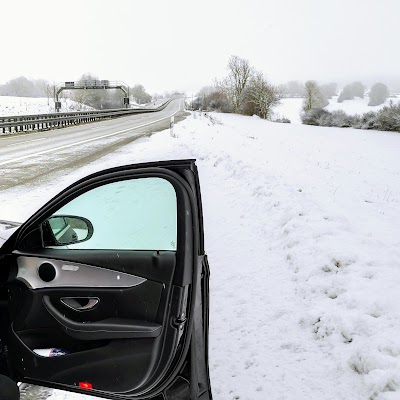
<point>184,171</point>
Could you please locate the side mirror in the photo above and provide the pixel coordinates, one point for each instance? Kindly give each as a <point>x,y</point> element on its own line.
<point>62,230</point>
<point>8,389</point>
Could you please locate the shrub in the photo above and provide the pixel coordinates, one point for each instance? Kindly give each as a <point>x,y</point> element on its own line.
<point>341,119</point>
<point>387,119</point>
<point>314,116</point>
<point>367,120</point>
<point>283,120</point>
<point>355,89</point>
<point>378,94</point>
<point>212,98</point>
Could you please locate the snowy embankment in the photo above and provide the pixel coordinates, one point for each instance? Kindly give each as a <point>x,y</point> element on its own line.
<point>303,236</point>
<point>10,105</point>
<point>292,107</point>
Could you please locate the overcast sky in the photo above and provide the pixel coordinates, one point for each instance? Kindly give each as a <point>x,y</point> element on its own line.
<point>184,45</point>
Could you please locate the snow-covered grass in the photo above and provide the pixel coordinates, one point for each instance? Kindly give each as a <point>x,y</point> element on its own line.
<point>10,105</point>
<point>291,107</point>
<point>303,236</point>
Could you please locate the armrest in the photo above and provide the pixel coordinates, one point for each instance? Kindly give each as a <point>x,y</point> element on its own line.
<point>111,328</point>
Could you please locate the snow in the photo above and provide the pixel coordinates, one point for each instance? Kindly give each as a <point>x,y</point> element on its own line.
<point>302,233</point>
<point>357,105</point>
<point>289,108</point>
<point>292,107</point>
<point>10,105</point>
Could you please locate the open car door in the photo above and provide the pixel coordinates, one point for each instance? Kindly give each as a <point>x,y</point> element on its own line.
<point>111,275</point>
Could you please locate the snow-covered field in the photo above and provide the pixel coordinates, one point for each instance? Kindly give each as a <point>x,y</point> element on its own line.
<point>357,105</point>
<point>10,105</point>
<point>303,236</point>
<point>291,107</point>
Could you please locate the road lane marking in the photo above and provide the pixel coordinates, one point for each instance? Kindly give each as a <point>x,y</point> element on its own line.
<point>86,141</point>
<point>26,141</point>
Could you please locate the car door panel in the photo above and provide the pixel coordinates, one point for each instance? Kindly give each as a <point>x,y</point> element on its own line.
<point>123,317</point>
<point>84,357</point>
<point>141,306</point>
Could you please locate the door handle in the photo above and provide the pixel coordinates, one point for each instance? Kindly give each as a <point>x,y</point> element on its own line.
<point>80,303</point>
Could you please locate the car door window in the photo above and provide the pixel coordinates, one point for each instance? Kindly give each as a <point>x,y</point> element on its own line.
<point>135,214</point>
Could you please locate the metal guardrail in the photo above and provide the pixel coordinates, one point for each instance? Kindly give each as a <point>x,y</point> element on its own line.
<point>40,122</point>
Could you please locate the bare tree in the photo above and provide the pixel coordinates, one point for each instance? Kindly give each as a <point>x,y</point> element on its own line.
<point>235,83</point>
<point>50,91</point>
<point>91,97</point>
<point>139,94</point>
<point>263,95</point>
<point>313,97</point>
<point>211,98</point>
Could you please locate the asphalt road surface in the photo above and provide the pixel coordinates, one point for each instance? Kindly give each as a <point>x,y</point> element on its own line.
<point>26,158</point>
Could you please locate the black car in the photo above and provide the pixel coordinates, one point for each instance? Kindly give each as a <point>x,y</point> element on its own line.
<point>111,275</point>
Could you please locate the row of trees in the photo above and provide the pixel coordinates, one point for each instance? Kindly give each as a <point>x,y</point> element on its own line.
<point>23,87</point>
<point>378,93</point>
<point>247,91</point>
<point>298,89</point>
<point>96,98</point>
<point>316,96</point>
<point>386,119</point>
<point>243,91</point>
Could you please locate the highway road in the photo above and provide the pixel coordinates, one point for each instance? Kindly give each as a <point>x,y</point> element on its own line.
<point>28,157</point>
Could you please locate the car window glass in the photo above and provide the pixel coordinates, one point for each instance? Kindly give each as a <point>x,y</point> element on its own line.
<point>136,214</point>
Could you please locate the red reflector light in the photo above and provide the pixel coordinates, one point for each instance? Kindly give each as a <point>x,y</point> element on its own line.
<point>85,385</point>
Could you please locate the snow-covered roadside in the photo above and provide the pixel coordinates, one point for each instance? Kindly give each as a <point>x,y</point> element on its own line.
<point>303,239</point>
<point>309,206</point>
